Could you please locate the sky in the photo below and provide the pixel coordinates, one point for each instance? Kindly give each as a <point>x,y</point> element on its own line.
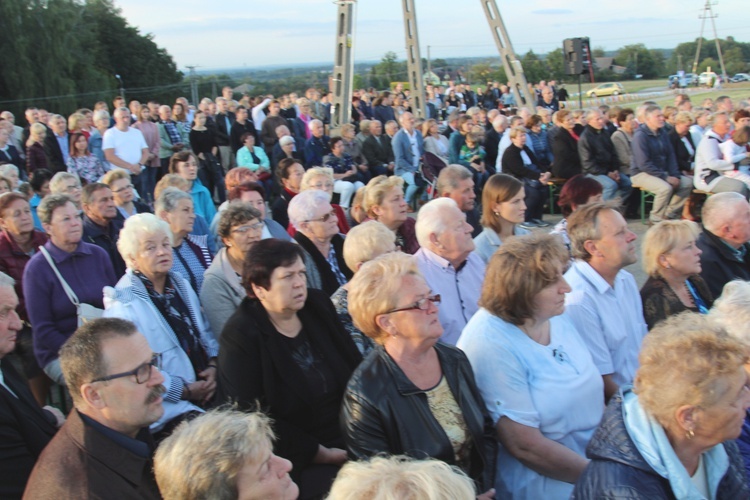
<point>256,33</point>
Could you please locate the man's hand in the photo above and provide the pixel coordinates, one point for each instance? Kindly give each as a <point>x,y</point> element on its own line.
<point>673,181</point>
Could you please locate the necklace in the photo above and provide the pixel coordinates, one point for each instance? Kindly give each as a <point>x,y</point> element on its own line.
<point>687,299</point>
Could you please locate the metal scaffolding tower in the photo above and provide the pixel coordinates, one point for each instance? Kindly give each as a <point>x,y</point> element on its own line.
<point>343,69</point>
<point>414,61</point>
<point>708,13</point>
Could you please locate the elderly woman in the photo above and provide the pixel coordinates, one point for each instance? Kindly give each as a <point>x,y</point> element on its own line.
<point>85,268</point>
<point>672,434</point>
<point>519,161</point>
<point>503,210</point>
<point>523,351</point>
<point>390,302</point>
<point>240,227</point>
<point>321,178</point>
<point>196,461</point>
<point>167,312</point>
<point>566,161</point>
<point>35,157</point>
<point>578,191</point>
<point>290,172</point>
<point>191,258</point>
<point>311,214</point>
<point>67,184</point>
<point>363,243</point>
<point>672,262</point>
<point>384,202</point>
<point>347,177</point>
<point>539,141</point>
<point>285,349</point>
<point>682,142</point>
<point>253,157</point>
<point>119,182</point>
<point>435,142</point>
<point>185,164</point>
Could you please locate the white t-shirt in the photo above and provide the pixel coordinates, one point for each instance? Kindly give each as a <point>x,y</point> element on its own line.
<point>128,145</point>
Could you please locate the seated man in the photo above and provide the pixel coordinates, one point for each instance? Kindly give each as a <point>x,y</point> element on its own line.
<point>456,182</point>
<point>316,146</point>
<point>599,158</point>
<point>408,150</point>
<point>724,240</point>
<point>714,173</point>
<point>378,151</point>
<point>104,450</point>
<point>604,302</point>
<point>655,167</point>
<point>25,428</point>
<point>101,226</point>
<point>223,454</point>
<point>449,264</point>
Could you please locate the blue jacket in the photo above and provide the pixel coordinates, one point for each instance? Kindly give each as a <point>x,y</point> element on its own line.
<point>315,150</point>
<point>653,154</point>
<point>402,151</point>
<point>618,470</point>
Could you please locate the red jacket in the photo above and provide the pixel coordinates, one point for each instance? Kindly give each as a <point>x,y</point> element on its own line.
<point>13,261</point>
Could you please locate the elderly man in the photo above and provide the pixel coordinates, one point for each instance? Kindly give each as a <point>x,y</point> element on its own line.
<point>492,140</point>
<point>57,144</point>
<point>547,100</point>
<point>378,151</point>
<point>101,226</point>
<point>17,133</point>
<point>604,303</point>
<point>104,450</point>
<point>449,264</point>
<point>25,428</point>
<point>724,240</point>
<point>599,158</point>
<point>456,182</point>
<point>655,169</point>
<point>317,146</point>
<point>710,163</point>
<point>268,130</point>
<point>224,120</point>
<point>173,138</point>
<point>408,150</point>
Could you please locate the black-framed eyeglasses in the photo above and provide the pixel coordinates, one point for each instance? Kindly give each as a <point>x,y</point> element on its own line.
<point>324,218</point>
<point>421,304</point>
<point>142,372</point>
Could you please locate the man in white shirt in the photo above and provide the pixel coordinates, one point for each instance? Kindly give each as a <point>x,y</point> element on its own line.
<point>125,146</point>
<point>604,303</point>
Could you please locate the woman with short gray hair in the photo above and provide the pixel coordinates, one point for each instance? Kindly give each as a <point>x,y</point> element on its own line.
<point>68,184</point>
<point>191,259</point>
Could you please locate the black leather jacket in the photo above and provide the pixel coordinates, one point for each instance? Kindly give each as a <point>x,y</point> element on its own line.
<point>384,412</point>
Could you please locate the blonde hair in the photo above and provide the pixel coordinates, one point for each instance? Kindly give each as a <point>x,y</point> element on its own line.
<point>37,131</point>
<point>683,117</point>
<point>663,238</point>
<point>516,131</point>
<point>375,289</point>
<point>74,122</point>
<point>367,241</point>
<point>401,478</point>
<point>115,175</point>
<point>312,173</point>
<point>695,355</point>
<point>377,189</point>
<point>170,180</point>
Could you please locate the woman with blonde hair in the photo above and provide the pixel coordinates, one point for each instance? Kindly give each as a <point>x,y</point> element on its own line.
<point>672,434</point>
<point>503,209</point>
<point>384,202</point>
<point>322,178</point>
<point>672,262</point>
<point>435,142</point>
<point>35,157</point>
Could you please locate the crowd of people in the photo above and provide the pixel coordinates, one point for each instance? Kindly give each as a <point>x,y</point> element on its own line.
<point>242,303</point>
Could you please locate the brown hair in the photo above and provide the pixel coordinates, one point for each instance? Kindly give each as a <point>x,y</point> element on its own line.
<point>499,188</point>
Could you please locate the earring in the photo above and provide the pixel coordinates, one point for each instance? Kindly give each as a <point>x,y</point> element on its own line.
<point>690,434</point>
<point>497,214</point>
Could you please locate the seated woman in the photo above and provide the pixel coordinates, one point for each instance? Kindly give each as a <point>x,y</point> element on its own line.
<point>123,192</point>
<point>539,142</point>
<point>237,461</point>
<point>86,269</point>
<point>240,227</point>
<point>290,172</point>
<point>318,234</point>
<point>363,243</point>
<point>672,262</point>
<point>682,142</point>
<point>472,154</point>
<point>566,161</point>
<point>347,177</point>
<point>253,157</point>
<point>503,209</point>
<point>520,162</point>
<point>81,162</point>
<point>39,182</point>
<point>167,312</point>
<point>390,302</point>
<point>384,202</point>
<point>190,259</point>
<point>578,191</point>
<point>523,351</point>
<point>185,164</point>
<point>435,142</point>
<point>672,434</point>
<point>285,349</point>
<point>200,232</point>
<point>321,178</point>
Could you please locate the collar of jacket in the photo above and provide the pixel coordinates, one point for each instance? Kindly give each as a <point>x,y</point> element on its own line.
<point>405,386</point>
<point>723,248</point>
<point>38,239</point>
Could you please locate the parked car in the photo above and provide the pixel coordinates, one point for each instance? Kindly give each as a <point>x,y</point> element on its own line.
<point>707,78</point>
<point>740,77</point>
<point>606,89</point>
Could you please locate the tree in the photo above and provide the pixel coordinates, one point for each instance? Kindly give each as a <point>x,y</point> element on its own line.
<point>555,61</point>
<point>641,58</point>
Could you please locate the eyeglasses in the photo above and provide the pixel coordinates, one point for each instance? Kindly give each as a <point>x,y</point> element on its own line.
<point>70,189</point>
<point>324,218</point>
<point>421,305</point>
<point>124,188</point>
<point>142,372</point>
<point>326,185</point>
<point>250,227</point>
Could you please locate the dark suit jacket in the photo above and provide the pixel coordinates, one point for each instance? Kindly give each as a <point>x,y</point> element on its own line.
<point>718,264</point>
<point>82,463</point>
<point>12,156</point>
<point>238,130</point>
<point>377,153</point>
<point>681,153</point>
<point>222,133</point>
<point>491,143</point>
<point>55,160</point>
<point>25,429</point>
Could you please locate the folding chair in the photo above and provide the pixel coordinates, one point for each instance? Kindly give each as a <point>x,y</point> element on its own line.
<point>430,169</point>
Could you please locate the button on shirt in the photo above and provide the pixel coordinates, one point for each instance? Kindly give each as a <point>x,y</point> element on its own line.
<point>459,289</point>
<point>610,320</point>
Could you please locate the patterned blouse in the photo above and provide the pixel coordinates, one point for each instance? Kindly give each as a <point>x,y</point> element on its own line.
<point>88,168</point>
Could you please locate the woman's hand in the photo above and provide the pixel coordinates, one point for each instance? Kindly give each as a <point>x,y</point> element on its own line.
<point>545,177</point>
<point>334,456</point>
<point>487,495</point>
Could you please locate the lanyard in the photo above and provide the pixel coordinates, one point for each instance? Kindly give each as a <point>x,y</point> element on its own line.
<point>699,303</point>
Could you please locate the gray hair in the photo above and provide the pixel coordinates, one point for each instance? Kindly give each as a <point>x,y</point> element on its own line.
<point>431,219</point>
<point>732,310</point>
<point>717,209</point>
<point>57,181</point>
<point>136,228</point>
<point>302,208</point>
<point>49,204</point>
<point>101,114</point>
<point>7,168</point>
<point>591,113</point>
<point>6,281</point>
<point>169,198</point>
<point>314,122</point>
<point>449,178</point>
<point>236,213</point>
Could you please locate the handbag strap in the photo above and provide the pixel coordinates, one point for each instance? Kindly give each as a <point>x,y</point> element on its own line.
<point>68,291</point>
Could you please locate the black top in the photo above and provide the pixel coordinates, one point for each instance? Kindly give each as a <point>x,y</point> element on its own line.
<point>202,141</point>
<point>661,302</point>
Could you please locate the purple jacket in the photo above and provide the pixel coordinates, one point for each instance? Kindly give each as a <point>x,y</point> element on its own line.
<point>54,318</point>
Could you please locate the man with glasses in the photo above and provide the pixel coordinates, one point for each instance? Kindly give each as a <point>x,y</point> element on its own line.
<point>104,450</point>
<point>449,264</point>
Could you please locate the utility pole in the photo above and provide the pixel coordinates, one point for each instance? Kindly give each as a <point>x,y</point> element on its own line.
<point>708,13</point>
<point>193,86</point>
<point>343,69</point>
<point>414,61</point>
<point>513,67</point>
<point>122,88</point>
